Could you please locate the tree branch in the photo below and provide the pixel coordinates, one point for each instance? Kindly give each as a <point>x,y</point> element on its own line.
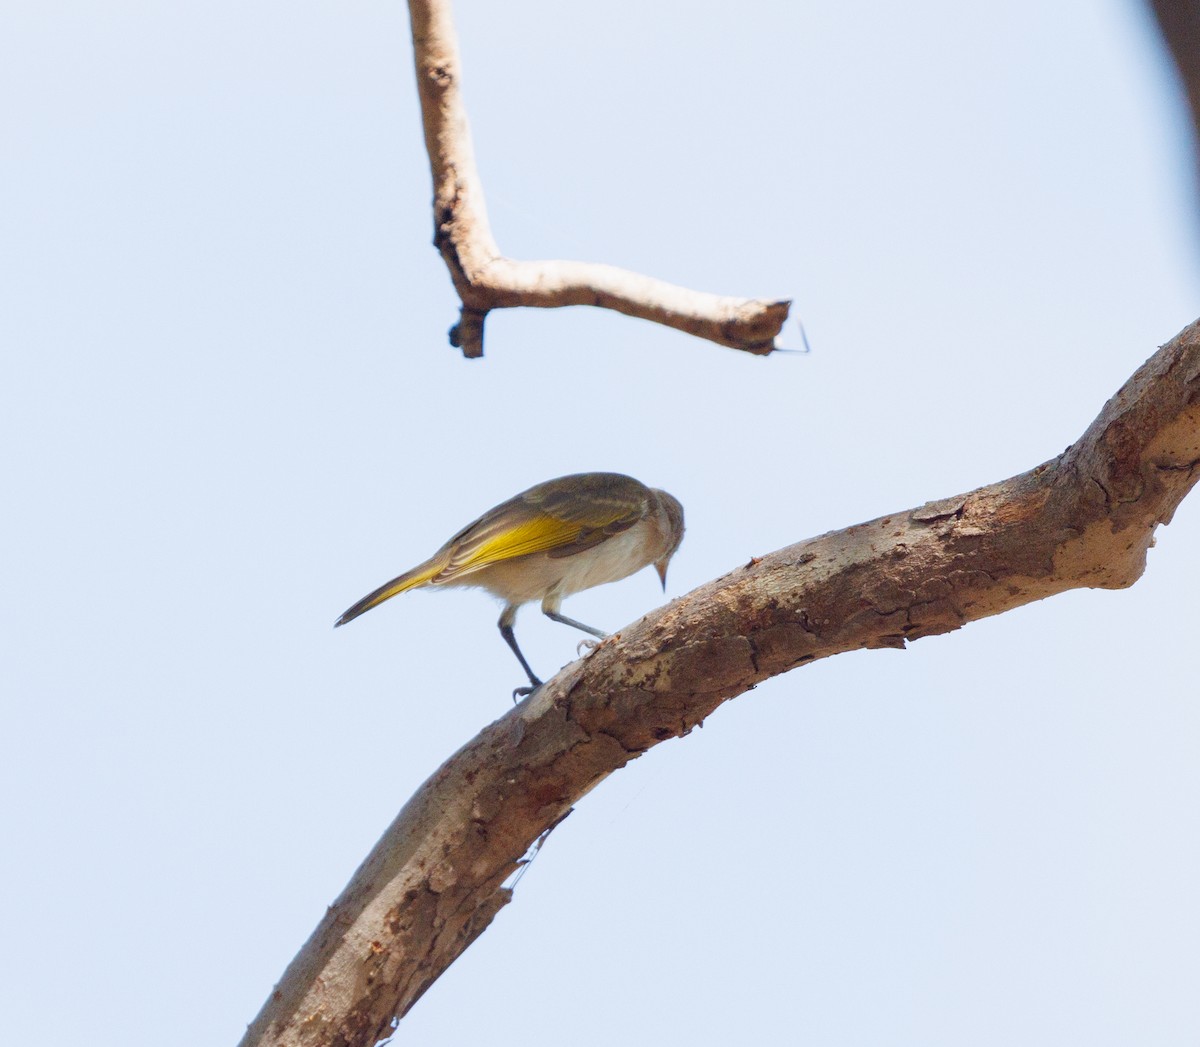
<point>435,880</point>
<point>486,280</point>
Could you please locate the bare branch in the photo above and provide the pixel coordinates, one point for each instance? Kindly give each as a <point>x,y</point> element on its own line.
<point>486,280</point>
<point>435,880</point>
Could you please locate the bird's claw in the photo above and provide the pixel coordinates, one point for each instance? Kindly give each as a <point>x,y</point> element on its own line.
<point>587,645</point>
<point>525,692</point>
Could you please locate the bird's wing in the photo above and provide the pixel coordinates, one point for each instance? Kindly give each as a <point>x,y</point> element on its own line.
<point>560,517</point>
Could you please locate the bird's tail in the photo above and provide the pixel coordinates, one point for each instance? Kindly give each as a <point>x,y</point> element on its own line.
<point>418,576</point>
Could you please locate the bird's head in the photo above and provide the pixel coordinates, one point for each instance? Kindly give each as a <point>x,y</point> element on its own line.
<point>669,520</point>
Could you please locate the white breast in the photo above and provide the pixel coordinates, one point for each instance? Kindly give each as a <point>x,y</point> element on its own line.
<point>612,560</point>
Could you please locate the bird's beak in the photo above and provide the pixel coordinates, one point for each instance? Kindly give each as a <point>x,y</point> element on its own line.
<point>661,567</point>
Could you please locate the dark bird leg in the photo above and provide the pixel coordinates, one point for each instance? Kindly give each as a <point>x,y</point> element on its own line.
<point>506,630</point>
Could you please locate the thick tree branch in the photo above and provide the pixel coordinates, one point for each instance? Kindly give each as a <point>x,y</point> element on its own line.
<point>486,280</point>
<point>435,880</point>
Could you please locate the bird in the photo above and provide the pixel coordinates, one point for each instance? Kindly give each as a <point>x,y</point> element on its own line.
<point>557,538</point>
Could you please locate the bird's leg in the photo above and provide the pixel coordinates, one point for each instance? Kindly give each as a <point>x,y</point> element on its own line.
<point>506,630</point>
<point>553,615</point>
<point>550,608</point>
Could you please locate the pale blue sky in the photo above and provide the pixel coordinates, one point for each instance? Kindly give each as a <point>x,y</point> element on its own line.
<point>229,411</point>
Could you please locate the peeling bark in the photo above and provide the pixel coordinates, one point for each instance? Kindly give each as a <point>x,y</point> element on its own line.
<point>436,879</point>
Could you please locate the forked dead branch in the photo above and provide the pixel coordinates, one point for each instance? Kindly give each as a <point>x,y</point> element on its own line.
<point>486,280</point>
<point>436,879</point>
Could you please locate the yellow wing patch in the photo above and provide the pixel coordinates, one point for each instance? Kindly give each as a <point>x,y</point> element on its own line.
<point>529,536</point>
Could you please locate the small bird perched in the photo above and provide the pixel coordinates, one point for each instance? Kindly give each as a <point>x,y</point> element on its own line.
<point>555,539</point>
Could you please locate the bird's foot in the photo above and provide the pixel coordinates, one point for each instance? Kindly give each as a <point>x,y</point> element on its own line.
<point>587,645</point>
<point>525,692</point>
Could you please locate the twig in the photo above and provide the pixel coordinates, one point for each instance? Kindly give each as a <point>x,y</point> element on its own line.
<point>486,280</point>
